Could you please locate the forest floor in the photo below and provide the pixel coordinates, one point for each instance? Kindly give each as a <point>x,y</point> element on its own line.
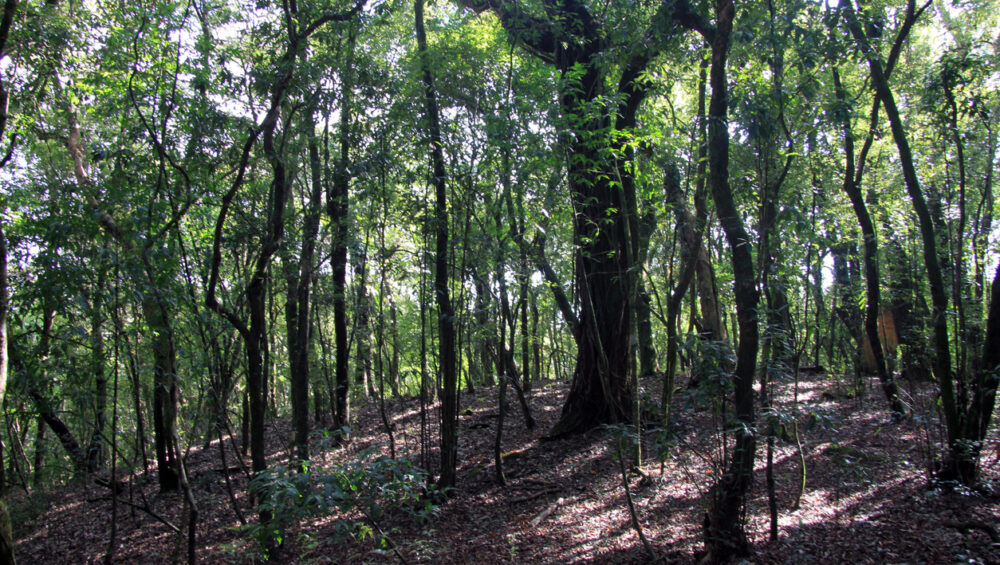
<point>866,498</point>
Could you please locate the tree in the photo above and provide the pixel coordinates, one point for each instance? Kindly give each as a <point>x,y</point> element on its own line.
<point>6,535</point>
<point>598,106</point>
<point>446,315</point>
<point>963,420</point>
<point>254,332</point>
<point>851,186</point>
<point>724,535</point>
<point>337,209</point>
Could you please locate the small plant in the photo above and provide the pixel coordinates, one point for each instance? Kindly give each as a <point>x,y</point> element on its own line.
<point>372,485</point>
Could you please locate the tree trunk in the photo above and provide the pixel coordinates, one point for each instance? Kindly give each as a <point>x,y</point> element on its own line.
<point>689,233</point>
<point>723,527</point>
<point>984,387</point>
<point>446,317</point>
<point>95,449</point>
<point>600,391</point>
<point>337,208</point>
<point>6,533</point>
<point>958,452</point>
<point>845,282</point>
<point>604,226</point>
<point>483,328</point>
<point>363,348</point>
<point>297,308</point>
<point>164,391</point>
<point>872,309</point>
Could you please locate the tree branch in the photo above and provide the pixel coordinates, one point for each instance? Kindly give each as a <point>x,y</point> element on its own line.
<point>534,34</point>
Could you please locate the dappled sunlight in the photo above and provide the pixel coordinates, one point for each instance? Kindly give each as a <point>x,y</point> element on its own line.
<point>564,500</point>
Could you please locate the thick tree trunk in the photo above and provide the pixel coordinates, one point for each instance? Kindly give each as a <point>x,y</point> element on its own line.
<point>605,226</point>
<point>600,392</point>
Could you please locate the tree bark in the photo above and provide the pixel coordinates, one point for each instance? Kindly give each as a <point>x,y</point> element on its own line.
<point>446,317</point>
<point>958,460</point>
<point>723,527</point>
<point>337,208</point>
<point>95,448</point>
<point>872,309</point>
<point>572,40</point>
<point>6,533</point>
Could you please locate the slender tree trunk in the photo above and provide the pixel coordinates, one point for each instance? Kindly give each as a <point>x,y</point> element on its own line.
<point>872,309</point>
<point>958,463</point>
<point>723,527</point>
<point>137,407</point>
<point>689,233</point>
<point>713,328</point>
<point>95,449</point>
<point>483,327</point>
<point>363,353</point>
<point>297,308</point>
<point>48,317</point>
<point>337,208</point>
<point>164,390</point>
<point>446,317</point>
<point>38,464</point>
<point>643,309</point>
<point>6,534</point>
<point>562,301</point>
<point>984,389</point>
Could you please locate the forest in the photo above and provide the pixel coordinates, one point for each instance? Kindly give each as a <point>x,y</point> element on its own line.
<point>499,281</point>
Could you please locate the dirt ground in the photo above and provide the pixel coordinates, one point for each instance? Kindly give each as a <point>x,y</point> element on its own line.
<point>866,499</point>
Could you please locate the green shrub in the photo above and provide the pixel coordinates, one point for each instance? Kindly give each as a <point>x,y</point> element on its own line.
<point>370,484</point>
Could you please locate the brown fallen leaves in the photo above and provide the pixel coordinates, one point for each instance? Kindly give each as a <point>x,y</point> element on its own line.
<point>866,497</point>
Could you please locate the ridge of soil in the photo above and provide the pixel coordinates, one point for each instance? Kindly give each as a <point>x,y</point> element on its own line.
<point>866,499</point>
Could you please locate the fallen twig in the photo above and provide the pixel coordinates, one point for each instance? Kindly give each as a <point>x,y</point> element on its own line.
<point>144,508</point>
<point>538,494</point>
<point>545,513</point>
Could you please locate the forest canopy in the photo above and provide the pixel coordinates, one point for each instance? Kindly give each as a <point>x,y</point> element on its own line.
<point>216,215</point>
